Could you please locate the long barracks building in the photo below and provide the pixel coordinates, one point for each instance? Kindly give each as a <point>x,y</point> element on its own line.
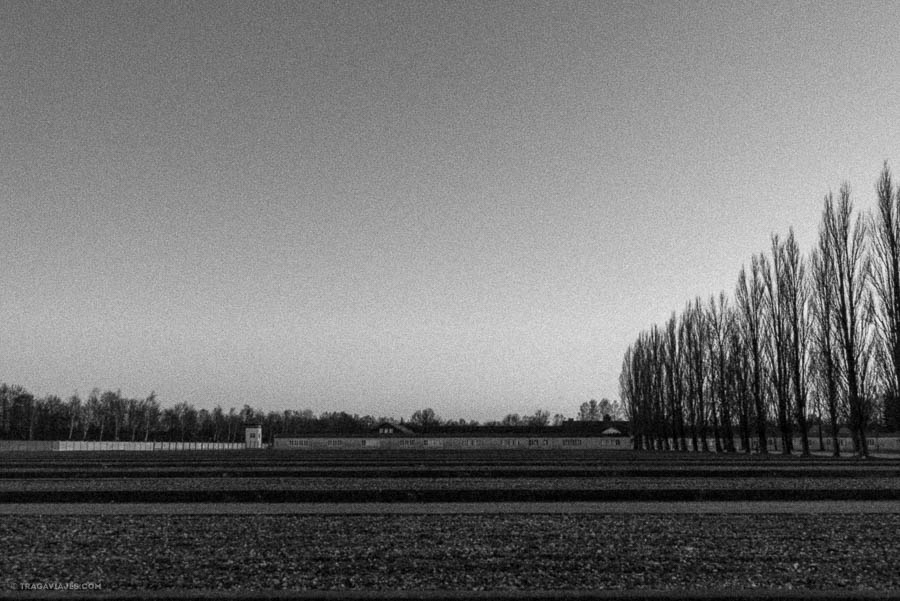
<point>387,435</point>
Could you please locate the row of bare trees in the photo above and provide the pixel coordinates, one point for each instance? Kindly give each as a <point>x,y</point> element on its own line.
<point>805,339</point>
<point>111,416</point>
<point>589,411</point>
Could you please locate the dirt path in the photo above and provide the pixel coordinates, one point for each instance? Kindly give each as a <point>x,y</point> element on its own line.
<point>751,507</point>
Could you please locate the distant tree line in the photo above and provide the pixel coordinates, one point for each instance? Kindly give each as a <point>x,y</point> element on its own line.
<point>805,340</point>
<point>588,411</point>
<point>111,416</point>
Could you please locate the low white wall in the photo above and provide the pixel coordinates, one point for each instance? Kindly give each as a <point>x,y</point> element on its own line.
<point>29,445</point>
<point>110,445</point>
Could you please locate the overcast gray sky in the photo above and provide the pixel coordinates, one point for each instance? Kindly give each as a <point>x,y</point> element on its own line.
<point>378,207</point>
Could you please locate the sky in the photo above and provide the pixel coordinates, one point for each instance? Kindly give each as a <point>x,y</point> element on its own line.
<point>380,207</point>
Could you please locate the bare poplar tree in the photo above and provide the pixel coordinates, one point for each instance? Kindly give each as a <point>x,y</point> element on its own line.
<point>640,375</point>
<point>685,333</point>
<point>794,287</point>
<point>675,383</point>
<point>628,394</point>
<point>886,283</point>
<point>656,368</point>
<point>826,360</point>
<point>777,349</point>
<point>720,325</point>
<point>739,370</point>
<point>749,295</point>
<point>853,304</point>
<point>695,346</point>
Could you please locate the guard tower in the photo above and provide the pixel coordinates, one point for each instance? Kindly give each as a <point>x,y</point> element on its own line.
<point>253,436</point>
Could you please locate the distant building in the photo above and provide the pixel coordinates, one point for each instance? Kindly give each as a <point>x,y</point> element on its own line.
<point>253,436</point>
<point>390,428</point>
<point>389,435</point>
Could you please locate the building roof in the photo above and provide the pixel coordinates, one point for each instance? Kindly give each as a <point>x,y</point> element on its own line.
<point>394,428</point>
<point>567,429</point>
